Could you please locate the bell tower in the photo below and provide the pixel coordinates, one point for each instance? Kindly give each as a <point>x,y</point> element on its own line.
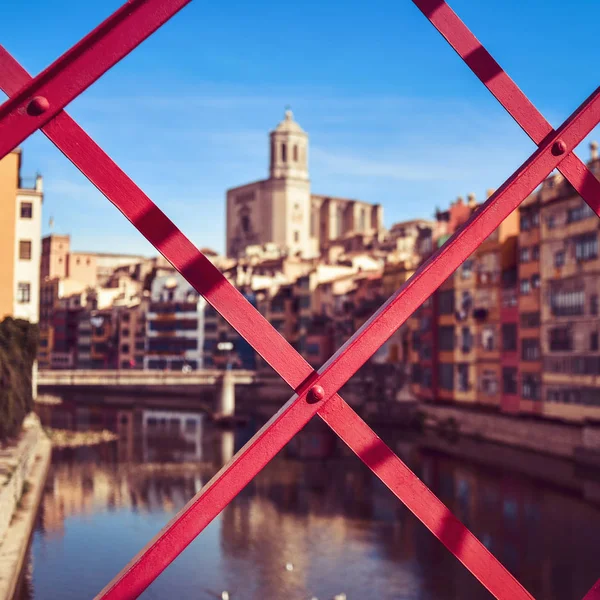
<point>289,150</point>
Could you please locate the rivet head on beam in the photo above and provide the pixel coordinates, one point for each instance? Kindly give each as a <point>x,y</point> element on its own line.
<point>38,105</point>
<point>316,394</point>
<point>558,148</point>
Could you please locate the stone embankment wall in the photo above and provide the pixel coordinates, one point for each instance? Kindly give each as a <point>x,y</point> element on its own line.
<point>23,469</point>
<point>549,437</point>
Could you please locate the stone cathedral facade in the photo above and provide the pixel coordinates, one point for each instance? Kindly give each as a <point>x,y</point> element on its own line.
<point>282,210</point>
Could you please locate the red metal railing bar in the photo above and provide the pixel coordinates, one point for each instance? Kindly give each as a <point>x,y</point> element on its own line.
<point>80,66</point>
<point>129,198</point>
<point>421,501</point>
<point>506,91</point>
<point>394,312</point>
<point>165,236</point>
<point>594,593</point>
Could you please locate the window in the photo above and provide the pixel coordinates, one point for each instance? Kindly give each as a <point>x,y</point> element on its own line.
<point>488,338</point>
<point>125,317</point>
<point>594,304</point>
<point>313,349</point>
<point>283,152</point>
<point>583,211</point>
<point>530,349</point>
<point>574,396</point>
<point>125,332</point>
<point>416,373</point>
<point>296,236</point>
<point>509,337</point>
<point>535,281</point>
<point>524,286</point>
<point>466,302</point>
<point>466,340</point>
<point>446,338</point>
<point>467,269</point>
<point>125,348</point>
<point>23,292</point>
<point>446,302</point>
<point>25,249</point>
<point>463,377</point>
<point>551,222</point>
<point>416,341</point>
<point>586,246</point>
<point>26,210</point>
<point>535,219</point>
<point>447,376</point>
<point>525,223</point>
<point>567,303</point>
<point>489,383</point>
<point>535,253</point>
<point>559,258</point>
<point>295,153</point>
<point>524,255</point>
<point>530,320</point>
<point>426,376</point>
<point>531,386</point>
<point>509,380</point>
<point>559,338</point>
<point>594,341</point>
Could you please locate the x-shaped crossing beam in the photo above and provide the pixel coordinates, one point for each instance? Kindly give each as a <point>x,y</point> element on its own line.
<point>39,102</point>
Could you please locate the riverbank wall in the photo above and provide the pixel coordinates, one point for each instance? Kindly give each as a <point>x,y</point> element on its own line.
<point>23,469</point>
<point>575,441</point>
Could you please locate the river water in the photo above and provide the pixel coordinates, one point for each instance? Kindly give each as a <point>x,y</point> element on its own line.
<point>314,523</point>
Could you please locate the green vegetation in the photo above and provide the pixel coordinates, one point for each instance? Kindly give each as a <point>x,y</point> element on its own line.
<point>18,349</point>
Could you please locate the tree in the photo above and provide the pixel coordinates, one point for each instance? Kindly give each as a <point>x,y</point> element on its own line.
<point>18,349</point>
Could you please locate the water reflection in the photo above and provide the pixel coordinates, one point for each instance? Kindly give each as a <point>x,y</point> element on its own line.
<point>315,507</point>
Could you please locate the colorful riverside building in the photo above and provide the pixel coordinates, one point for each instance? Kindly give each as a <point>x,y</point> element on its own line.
<point>516,328</point>
<point>495,260</point>
<point>570,325</point>
<point>528,388</point>
<point>20,235</point>
<point>458,350</point>
<point>432,326</point>
<point>174,325</point>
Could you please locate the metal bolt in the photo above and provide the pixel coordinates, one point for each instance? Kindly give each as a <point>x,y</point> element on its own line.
<point>316,394</point>
<point>37,106</point>
<point>558,148</point>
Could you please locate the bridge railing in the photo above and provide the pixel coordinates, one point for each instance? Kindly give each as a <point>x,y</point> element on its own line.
<point>38,103</point>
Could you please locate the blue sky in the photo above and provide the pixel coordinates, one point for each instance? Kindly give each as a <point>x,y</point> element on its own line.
<point>393,115</point>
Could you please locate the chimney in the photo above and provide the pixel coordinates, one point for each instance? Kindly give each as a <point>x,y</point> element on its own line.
<point>594,150</point>
<point>471,200</point>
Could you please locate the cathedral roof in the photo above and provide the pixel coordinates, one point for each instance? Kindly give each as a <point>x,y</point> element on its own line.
<point>288,125</point>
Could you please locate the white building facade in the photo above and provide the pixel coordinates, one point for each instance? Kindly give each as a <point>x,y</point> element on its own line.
<point>27,254</point>
<point>174,325</point>
<point>281,210</point>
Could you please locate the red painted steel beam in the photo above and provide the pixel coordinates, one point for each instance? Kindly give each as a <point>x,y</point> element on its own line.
<point>421,501</point>
<point>45,95</point>
<point>594,593</point>
<point>394,312</point>
<point>506,91</point>
<point>134,204</point>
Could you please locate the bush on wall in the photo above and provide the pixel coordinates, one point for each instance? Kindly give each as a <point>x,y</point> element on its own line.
<point>18,349</point>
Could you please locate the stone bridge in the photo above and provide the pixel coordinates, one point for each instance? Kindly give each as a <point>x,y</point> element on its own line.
<point>138,381</point>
